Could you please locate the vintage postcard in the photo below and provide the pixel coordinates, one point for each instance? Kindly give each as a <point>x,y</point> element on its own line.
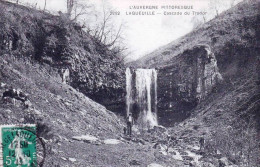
<point>121,83</point>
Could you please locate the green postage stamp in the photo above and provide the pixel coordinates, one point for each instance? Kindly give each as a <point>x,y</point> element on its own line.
<point>18,146</point>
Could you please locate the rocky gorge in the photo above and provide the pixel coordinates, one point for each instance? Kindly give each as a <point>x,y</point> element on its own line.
<point>204,88</point>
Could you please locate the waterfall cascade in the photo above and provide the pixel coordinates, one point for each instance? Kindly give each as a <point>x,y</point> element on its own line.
<point>128,90</point>
<point>141,98</point>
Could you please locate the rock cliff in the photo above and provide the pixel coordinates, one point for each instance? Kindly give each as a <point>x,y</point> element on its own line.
<point>189,79</point>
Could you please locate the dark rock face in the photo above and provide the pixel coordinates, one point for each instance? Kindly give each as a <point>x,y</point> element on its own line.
<point>189,78</point>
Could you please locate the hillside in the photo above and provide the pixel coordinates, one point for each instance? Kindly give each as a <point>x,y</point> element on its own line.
<point>87,64</point>
<point>236,26</point>
<point>55,107</point>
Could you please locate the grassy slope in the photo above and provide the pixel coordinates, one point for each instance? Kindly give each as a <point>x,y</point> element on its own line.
<point>61,109</point>
<point>228,121</point>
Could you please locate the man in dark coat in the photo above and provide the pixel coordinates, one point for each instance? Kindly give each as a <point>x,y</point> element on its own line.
<point>129,124</point>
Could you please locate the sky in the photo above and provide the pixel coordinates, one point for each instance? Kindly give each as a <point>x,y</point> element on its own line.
<point>144,33</point>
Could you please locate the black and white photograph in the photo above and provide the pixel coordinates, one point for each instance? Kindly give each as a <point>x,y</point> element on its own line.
<point>129,83</point>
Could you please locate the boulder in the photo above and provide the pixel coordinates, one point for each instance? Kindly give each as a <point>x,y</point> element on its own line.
<point>223,162</point>
<point>134,162</point>
<point>72,159</point>
<point>112,141</point>
<point>85,138</point>
<point>154,165</point>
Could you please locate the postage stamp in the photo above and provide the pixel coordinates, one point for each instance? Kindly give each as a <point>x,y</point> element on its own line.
<point>18,145</point>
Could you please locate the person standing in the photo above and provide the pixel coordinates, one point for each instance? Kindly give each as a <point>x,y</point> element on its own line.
<point>129,124</point>
<point>202,143</point>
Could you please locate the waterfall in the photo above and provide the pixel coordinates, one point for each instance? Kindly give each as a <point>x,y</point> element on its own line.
<point>128,90</point>
<point>143,94</point>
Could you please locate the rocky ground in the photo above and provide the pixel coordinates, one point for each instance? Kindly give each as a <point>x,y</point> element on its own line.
<point>60,111</point>
<point>76,130</point>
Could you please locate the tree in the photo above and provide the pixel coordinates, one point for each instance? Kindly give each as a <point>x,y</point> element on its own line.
<point>232,3</point>
<point>44,5</point>
<point>198,21</point>
<point>76,8</point>
<point>104,30</point>
<point>70,5</point>
<point>80,9</point>
<point>217,6</point>
<point>106,33</point>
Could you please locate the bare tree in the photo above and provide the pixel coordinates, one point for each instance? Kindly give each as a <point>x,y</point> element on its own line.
<point>80,9</point>
<point>216,6</point>
<point>104,30</point>
<point>197,21</point>
<point>44,5</point>
<point>232,3</point>
<point>204,18</point>
<point>76,8</point>
<point>70,5</point>
<point>106,33</point>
